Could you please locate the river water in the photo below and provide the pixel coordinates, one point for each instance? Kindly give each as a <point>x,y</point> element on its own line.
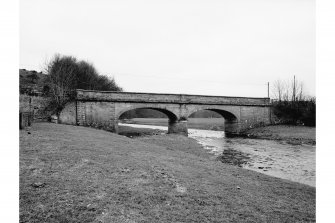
<point>270,157</point>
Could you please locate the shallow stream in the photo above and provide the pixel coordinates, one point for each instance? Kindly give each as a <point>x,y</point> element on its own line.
<point>270,157</point>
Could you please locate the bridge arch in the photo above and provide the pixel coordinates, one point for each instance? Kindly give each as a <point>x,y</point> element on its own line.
<point>225,112</point>
<point>231,119</point>
<point>170,114</point>
<point>175,124</point>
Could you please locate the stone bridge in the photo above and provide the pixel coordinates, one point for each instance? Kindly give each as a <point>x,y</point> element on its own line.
<point>103,109</point>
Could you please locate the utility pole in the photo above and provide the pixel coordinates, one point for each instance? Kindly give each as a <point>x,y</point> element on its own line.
<point>294,88</point>
<point>269,102</point>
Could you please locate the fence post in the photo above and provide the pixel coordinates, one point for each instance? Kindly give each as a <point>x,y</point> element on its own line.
<point>20,120</point>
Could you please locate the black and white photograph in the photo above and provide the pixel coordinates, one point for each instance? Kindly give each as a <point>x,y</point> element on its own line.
<point>166,111</point>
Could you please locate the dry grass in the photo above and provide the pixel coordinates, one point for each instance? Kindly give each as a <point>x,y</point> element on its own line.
<point>291,134</point>
<point>78,174</point>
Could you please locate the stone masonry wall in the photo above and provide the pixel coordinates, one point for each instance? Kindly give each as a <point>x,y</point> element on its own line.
<point>100,114</point>
<point>252,117</point>
<point>35,104</point>
<point>68,114</point>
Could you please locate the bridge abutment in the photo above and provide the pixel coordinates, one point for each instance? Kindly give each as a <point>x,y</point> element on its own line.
<point>113,126</point>
<point>232,127</point>
<point>178,127</point>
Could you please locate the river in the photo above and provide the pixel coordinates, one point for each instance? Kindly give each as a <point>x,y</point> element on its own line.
<point>270,157</point>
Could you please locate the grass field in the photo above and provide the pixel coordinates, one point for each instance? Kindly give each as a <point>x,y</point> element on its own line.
<point>78,174</point>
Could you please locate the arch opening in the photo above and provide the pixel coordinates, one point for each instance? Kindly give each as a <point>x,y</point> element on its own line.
<point>144,116</point>
<point>161,115</point>
<point>213,119</point>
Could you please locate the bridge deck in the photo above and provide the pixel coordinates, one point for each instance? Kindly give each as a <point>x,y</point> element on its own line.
<point>112,96</point>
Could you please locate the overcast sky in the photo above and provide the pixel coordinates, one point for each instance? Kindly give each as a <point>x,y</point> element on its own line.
<point>207,47</point>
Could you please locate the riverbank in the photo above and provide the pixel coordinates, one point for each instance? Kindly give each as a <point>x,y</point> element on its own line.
<point>295,135</point>
<point>216,124</point>
<point>78,174</point>
<point>138,132</point>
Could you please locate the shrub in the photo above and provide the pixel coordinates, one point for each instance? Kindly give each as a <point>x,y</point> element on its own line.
<point>296,112</point>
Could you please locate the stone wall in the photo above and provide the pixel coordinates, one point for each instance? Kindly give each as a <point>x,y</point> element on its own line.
<point>100,114</point>
<point>68,114</point>
<point>35,104</point>
<point>94,114</point>
<point>252,117</point>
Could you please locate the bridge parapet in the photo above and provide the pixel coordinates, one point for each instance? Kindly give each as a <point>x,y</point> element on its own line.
<point>112,96</point>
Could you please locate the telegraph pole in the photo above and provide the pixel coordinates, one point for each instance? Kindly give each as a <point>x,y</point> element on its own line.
<point>294,88</point>
<point>269,102</point>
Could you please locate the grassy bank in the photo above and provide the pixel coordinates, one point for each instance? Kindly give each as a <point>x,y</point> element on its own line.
<point>291,134</point>
<point>78,174</point>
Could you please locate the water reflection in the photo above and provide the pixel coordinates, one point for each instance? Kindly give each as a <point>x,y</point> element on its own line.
<point>274,158</point>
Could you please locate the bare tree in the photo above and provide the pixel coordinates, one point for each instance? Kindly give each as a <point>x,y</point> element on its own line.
<point>277,90</point>
<point>282,90</point>
<point>300,89</point>
<point>288,90</point>
<point>62,79</point>
<point>293,89</point>
<point>297,90</point>
<point>66,74</point>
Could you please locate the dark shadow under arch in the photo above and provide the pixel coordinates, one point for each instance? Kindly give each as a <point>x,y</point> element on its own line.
<point>225,114</point>
<point>170,115</point>
<point>231,123</point>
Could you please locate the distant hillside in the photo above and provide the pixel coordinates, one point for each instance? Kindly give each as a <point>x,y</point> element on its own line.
<point>32,82</point>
